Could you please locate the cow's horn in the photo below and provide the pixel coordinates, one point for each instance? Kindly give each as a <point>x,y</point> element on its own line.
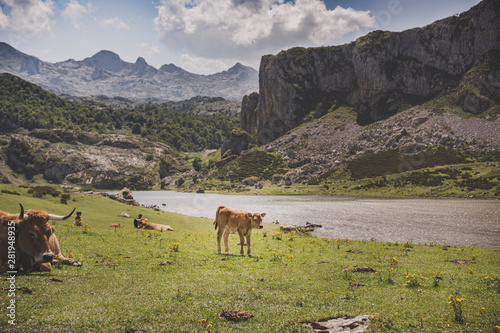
<point>21,214</point>
<point>57,217</point>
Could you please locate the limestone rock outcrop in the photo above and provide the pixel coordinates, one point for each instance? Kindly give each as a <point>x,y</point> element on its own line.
<point>125,196</point>
<point>104,161</point>
<point>236,141</point>
<point>379,73</point>
<point>248,115</point>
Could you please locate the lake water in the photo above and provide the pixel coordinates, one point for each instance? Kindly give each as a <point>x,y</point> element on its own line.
<point>455,221</point>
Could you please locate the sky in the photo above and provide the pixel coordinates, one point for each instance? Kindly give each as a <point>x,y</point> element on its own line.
<point>203,36</point>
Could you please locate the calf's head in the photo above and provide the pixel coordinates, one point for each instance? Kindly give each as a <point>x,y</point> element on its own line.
<point>256,219</point>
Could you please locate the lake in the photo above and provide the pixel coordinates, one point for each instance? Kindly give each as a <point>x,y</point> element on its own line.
<point>453,221</point>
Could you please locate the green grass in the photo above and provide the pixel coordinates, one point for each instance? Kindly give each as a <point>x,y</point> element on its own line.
<point>290,278</point>
<point>449,181</point>
<point>255,162</point>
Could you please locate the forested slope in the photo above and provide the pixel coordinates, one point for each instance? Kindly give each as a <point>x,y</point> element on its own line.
<point>27,106</point>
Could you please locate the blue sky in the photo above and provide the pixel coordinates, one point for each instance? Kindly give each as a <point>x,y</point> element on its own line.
<point>203,36</point>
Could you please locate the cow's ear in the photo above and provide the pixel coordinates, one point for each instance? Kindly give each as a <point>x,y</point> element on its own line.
<point>52,229</point>
<point>262,214</point>
<point>8,224</point>
<point>249,215</point>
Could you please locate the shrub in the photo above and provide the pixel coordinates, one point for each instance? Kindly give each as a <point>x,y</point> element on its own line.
<point>477,184</point>
<point>392,161</point>
<point>10,192</point>
<point>425,179</point>
<point>40,191</point>
<point>64,198</point>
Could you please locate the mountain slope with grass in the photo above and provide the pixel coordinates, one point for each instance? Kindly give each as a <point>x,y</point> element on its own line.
<point>44,138</point>
<point>459,157</point>
<point>77,158</point>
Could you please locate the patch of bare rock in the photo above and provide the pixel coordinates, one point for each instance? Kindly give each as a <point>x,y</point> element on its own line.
<point>346,324</point>
<point>123,196</point>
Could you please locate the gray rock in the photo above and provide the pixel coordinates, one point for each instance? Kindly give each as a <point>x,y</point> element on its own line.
<point>382,71</point>
<point>106,161</point>
<point>235,142</point>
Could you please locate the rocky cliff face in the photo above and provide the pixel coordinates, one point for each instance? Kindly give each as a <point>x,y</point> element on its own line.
<point>106,161</point>
<point>106,74</point>
<point>248,119</point>
<point>382,71</point>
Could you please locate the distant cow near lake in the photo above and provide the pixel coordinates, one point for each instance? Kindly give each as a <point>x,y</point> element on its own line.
<point>143,224</point>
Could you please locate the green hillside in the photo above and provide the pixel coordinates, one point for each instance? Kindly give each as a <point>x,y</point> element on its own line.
<point>24,105</point>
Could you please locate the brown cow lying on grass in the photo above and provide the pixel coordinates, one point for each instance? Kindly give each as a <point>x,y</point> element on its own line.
<point>143,224</point>
<point>36,246</point>
<point>231,221</point>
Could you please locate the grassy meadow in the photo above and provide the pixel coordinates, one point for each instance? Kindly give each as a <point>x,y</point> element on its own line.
<point>291,278</point>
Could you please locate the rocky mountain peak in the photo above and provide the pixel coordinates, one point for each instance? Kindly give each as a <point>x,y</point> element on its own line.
<point>107,60</point>
<point>141,62</point>
<point>141,67</point>
<point>240,73</point>
<point>238,67</point>
<point>17,60</point>
<point>6,49</point>
<point>105,73</point>
<point>171,68</point>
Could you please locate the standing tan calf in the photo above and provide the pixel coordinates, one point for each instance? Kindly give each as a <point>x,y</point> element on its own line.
<point>231,221</point>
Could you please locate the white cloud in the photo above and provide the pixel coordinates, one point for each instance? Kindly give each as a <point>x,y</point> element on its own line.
<point>116,23</point>
<point>29,17</point>
<point>202,65</point>
<point>4,20</point>
<point>74,12</point>
<point>246,29</point>
<point>150,52</point>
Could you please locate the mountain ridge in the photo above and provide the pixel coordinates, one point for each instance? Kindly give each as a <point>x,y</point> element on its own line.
<point>380,73</point>
<point>105,73</point>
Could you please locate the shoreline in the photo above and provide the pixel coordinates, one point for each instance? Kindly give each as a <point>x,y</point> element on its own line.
<point>422,220</point>
<point>326,195</point>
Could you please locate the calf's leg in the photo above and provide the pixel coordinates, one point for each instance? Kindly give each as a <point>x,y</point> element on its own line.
<point>219,236</point>
<point>242,243</point>
<point>248,243</point>
<point>226,240</point>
